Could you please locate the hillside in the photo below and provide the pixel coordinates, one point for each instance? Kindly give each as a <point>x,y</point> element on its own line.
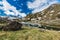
<point>51,16</point>
<point>51,13</point>
<point>48,17</point>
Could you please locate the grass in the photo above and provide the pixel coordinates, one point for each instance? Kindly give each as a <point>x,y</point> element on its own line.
<point>28,33</point>
<point>51,23</point>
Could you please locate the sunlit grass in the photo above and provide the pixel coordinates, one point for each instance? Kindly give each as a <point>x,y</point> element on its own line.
<point>28,33</point>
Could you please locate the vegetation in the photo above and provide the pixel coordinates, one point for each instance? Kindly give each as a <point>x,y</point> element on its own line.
<point>50,17</point>
<point>51,23</point>
<point>28,33</point>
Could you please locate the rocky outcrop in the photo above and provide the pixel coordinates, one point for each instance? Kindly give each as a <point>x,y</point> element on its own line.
<point>13,26</point>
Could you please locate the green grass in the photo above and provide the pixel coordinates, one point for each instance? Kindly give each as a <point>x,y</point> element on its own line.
<point>28,33</point>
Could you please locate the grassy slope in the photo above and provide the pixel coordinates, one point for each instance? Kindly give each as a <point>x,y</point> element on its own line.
<point>30,34</point>
<point>51,23</point>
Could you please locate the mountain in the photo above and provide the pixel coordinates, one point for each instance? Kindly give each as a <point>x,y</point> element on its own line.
<point>51,13</point>
<point>49,17</point>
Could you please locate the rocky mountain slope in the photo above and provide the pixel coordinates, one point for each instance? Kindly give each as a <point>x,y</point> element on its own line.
<point>48,17</point>
<point>51,13</point>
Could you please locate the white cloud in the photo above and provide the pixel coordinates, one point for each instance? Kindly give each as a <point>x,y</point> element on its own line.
<point>23,14</point>
<point>6,7</point>
<point>35,4</point>
<point>9,13</point>
<point>0,2</point>
<point>39,5</point>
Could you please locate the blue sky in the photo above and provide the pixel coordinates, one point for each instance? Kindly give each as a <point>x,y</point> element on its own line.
<point>21,8</point>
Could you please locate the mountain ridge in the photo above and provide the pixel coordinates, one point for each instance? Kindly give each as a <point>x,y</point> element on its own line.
<point>52,12</point>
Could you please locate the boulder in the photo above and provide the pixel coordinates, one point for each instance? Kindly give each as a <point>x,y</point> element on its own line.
<point>13,26</point>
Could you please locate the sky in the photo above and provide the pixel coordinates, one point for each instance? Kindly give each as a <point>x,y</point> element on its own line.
<point>21,8</point>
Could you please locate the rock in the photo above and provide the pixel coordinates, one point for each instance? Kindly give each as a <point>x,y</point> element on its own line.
<point>1,27</point>
<point>13,26</point>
